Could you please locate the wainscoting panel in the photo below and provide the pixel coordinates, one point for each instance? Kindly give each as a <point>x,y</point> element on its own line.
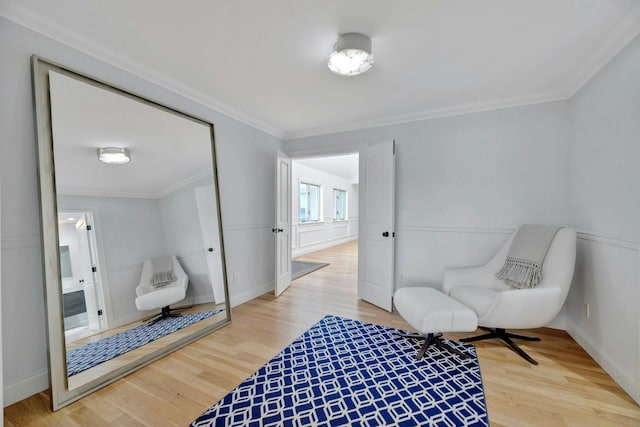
<point>23,305</point>
<point>606,278</point>
<point>123,281</point>
<point>311,234</point>
<point>250,261</point>
<point>310,237</point>
<point>424,252</point>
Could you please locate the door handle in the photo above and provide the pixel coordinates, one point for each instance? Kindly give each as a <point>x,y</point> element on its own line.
<point>280,230</point>
<point>277,230</point>
<point>210,249</point>
<point>385,234</point>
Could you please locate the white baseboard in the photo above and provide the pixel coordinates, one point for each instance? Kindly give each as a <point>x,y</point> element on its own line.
<point>323,245</point>
<point>28,387</point>
<point>620,375</point>
<point>252,293</point>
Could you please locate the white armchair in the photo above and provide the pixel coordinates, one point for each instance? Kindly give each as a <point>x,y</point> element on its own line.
<point>500,307</point>
<point>151,298</point>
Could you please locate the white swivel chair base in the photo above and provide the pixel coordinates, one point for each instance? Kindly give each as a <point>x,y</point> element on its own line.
<point>165,313</point>
<point>435,340</point>
<point>506,337</point>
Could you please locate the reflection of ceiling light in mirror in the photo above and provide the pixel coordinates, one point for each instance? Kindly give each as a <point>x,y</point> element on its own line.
<point>351,55</point>
<point>114,155</point>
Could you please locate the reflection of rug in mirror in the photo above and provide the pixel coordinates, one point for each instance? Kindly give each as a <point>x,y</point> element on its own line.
<point>347,372</point>
<point>94,353</point>
<point>301,268</point>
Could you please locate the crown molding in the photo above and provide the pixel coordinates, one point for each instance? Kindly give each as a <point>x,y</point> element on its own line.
<point>81,44</point>
<point>81,191</point>
<point>455,110</point>
<point>618,39</point>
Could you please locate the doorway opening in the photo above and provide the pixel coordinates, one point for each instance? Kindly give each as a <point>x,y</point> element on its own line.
<point>82,297</point>
<point>375,221</point>
<point>324,196</point>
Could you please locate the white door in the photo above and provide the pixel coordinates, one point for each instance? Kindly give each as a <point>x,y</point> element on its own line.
<point>282,228</point>
<point>208,215</point>
<point>88,270</point>
<point>376,225</point>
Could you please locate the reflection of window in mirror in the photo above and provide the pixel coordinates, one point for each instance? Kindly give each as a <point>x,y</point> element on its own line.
<point>65,262</point>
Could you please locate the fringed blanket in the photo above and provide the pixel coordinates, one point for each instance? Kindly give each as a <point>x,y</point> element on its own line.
<point>162,268</point>
<point>523,266</point>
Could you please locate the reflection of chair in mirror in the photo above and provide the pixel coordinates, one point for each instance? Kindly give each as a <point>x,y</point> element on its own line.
<point>163,282</point>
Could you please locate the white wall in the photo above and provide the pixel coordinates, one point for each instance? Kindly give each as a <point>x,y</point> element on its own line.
<point>246,170</point>
<point>309,237</point>
<point>605,207</point>
<point>464,183</point>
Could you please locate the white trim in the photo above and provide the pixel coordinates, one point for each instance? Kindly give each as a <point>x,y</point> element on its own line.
<point>27,387</point>
<point>183,183</point>
<point>20,242</point>
<point>619,374</point>
<point>608,240</point>
<point>581,234</point>
<point>239,227</point>
<point>620,36</point>
<point>618,39</point>
<point>117,268</point>
<point>71,191</point>
<point>245,296</point>
<point>436,113</point>
<point>637,398</point>
<point>77,42</point>
<point>324,245</point>
<point>454,229</point>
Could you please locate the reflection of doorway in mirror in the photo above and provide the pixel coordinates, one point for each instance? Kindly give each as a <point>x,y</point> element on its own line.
<point>208,215</point>
<point>83,307</point>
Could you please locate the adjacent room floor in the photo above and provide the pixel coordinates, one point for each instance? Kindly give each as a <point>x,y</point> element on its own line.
<point>567,389</point>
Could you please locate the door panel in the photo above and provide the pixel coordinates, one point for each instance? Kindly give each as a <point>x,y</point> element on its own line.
<point>282,229</point>
<point>376,225</point>
<point>208,214</point>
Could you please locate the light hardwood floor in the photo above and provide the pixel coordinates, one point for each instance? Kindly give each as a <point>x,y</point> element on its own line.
<point>567,389</point>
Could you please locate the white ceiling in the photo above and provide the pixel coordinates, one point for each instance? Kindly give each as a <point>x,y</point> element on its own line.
<point>264,62</point>
<point>345,166</point>
<point>168,151</point>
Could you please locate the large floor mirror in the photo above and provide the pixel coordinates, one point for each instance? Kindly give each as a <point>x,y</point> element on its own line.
<point>133,250</point>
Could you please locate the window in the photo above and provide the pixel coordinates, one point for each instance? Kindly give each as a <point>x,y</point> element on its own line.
<point>309,202</point>
<point>340,199</point>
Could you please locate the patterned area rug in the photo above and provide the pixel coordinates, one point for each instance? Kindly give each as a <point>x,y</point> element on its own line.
<point>94,353</point>
<point>302,268</point>
<point>346,372</point>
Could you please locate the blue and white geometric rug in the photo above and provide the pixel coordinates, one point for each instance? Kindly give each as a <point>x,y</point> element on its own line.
<point>92,354</point>
<point>346,372</point>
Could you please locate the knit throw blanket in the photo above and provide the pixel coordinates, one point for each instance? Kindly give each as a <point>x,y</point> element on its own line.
<point>523,266</point>
<point>162,268</point>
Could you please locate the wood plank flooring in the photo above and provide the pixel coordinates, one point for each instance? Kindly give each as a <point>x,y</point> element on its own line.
<point>567,389</point>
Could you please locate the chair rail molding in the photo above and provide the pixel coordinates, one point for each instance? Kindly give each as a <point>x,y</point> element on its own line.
<point>608,240</point>
<point>18,242</point>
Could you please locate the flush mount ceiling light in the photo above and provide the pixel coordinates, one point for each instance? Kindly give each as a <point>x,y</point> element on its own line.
<point>351,55</point>
<point>114,155</point>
